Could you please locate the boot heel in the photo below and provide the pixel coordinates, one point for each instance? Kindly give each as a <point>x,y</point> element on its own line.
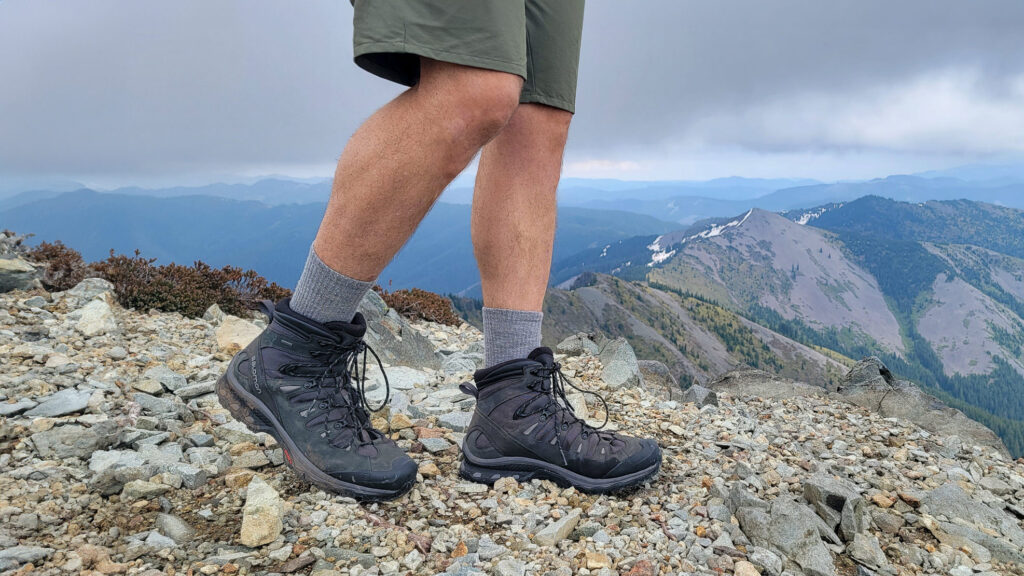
<point>240,409</point>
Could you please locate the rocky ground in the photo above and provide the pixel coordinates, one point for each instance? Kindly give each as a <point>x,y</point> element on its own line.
<point>115,458</point>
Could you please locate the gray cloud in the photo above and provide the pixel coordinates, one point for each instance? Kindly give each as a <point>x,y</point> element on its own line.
<point>137,90</point>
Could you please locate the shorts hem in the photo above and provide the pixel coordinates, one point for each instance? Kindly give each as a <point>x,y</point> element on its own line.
<point>553,101</point>
<point>498,65</point>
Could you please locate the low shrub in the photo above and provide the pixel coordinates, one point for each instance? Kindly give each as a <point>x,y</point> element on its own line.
<point>420,304</point>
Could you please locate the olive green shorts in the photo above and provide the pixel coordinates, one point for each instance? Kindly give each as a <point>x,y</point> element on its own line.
<point>538,40</point>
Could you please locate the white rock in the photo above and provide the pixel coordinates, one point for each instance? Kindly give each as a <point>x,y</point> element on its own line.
<point>261,516</point>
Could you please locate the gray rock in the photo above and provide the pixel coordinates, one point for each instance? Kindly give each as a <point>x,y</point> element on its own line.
<point>195,390</point>
<point>158,541</point>
<point>867,386</point>
<point>658,378</point>
<point>578,345</point>
<point>700,396</point>
<point>95,318</point>
<point>142,489</point>
<point>35,302</point>
<point>174,528</point>
<point>391,336</point>
<point>18,555</point>
<point>766,561</point>
<point>67,401</point>
<point>117,353</point>
<point>164,375</point>
<point>751,382</point>
<point>435,445</point>
<point>18,274</point>
<point>973,521</point>
<point>154,404</point>
<point>620,366</point>
<point>89,288</point>
<point>488,549</point>
<point>837,502</point>
<point>740,498</point>
<point>461,363</point>
<point>74,440</point>
<point>457,421</point>
<point>15,408</point>
<point>510,567</point>
<point>104,460</point>
<point>866,550</point>
<point>559,530</point>
<point>235,432</point>
<point>792,529</point>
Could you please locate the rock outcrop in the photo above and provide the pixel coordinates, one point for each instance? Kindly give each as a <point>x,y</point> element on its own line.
<point>115,457</point>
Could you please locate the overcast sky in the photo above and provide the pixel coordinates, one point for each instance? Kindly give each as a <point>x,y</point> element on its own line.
<point>112,92</point>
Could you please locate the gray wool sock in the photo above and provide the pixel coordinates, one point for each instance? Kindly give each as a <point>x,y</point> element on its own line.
<point>326,295</point>
<point>510,334</point>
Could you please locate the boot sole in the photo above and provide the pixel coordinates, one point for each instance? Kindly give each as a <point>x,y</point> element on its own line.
<point>252,412</point>
<point>526,469</point>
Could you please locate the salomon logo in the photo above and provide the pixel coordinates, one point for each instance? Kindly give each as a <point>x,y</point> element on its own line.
<point>255,379</point>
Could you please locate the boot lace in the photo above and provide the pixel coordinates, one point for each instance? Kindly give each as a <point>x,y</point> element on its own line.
<point>552,383</point>
<point>338,394</point>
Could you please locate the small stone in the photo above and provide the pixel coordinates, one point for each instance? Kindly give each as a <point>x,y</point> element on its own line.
<point>506,484</point>
<point>429,469</point>
<point>509,567</point>
<point>642,568</point>
<point>117,353</point>
<point>67,401</point>
<point>261,515</point>
<point>174,528</point>
<point>555,532</point>
<point>457,421</point>
<point>400,422</point>
<point>159,541</point>
<point>882,501</point>
<point>195,390</point>
<point>142,490</point>
<point>148,386</point>
<point>744,568</point>
<point>435,445</point>
<point>596,561</point>
<point>700,396</point>
<point>165,376</point>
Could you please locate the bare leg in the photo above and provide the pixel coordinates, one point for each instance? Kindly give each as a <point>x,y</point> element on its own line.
<point>514,207</point>
<point>399,161</point>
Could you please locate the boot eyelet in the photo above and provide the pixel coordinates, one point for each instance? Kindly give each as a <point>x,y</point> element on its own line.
<point>565,427</point>
<point>323,405</point>
<point>337,426</point>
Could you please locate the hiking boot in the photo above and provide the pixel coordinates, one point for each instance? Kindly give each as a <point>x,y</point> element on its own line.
<point>524,427</point>
<point>300,382</point>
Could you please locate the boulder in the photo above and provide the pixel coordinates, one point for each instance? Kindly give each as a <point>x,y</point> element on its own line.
<point>579,344</point>
<point>758,383</point>
<point>234,333</point>
<point>620,368</point>
<point>74,440</point>
<point>95,318</point>
<point>18,274</point>
<point>870,385</point>
<point>659,379</point>
<point>393,338</point>
<point>700,396</point>
<point>67,401</point>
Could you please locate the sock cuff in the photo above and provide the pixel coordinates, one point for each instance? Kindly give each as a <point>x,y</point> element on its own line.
<point>506,314</point>
<point>326,295</point>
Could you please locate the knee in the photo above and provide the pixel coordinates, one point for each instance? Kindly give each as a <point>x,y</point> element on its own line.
<point>476,104</point>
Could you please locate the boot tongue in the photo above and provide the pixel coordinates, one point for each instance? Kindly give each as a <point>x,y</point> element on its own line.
<point>544,355</point>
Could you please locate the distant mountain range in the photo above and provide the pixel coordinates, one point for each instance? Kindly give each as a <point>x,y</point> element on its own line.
<point>274,240</point>
<point>934,288</point>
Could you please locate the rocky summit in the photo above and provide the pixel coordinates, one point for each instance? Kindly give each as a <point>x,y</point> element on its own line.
<point>116,458</point>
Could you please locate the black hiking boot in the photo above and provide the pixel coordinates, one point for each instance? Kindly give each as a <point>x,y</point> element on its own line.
<point>300,381</point>
<point>523,427</point>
